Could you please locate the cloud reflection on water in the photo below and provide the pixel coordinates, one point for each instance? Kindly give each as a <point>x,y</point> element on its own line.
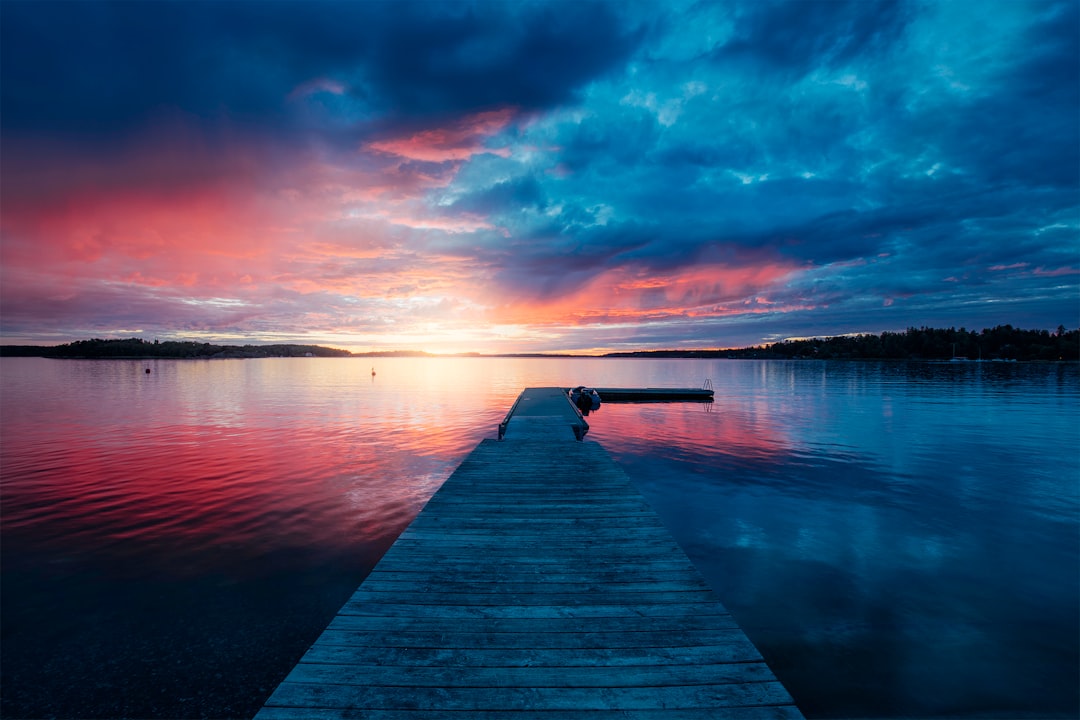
<point>885,522</point>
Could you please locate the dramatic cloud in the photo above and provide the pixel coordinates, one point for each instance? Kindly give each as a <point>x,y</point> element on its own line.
<point>543,176</point>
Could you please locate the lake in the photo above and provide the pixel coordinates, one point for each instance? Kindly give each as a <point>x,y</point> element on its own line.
<point>898,539</point>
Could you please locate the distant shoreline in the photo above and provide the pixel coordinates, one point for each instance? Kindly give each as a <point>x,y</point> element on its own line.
<point>1001,343</point>
<point>537,356</point>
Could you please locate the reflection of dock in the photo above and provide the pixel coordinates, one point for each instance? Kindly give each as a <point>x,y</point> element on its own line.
<point>535,582</point>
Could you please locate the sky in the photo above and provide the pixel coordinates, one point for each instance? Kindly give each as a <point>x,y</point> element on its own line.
<point>536,176</point>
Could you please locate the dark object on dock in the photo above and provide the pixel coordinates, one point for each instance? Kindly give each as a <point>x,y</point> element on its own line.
<point>655,394</point>
<point>536,581</point>
<point>585,399</point>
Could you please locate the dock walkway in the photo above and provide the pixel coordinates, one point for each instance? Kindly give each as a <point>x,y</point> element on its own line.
<point>536,582</point>
<point>544,413</point>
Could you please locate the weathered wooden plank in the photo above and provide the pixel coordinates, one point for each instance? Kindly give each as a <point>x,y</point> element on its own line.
<point>579,552</point>
<point>757,712</point>
<point>734,649</point>
<point>555,502</point>
<point>577,558</point>
<point>440,516</point>
<point>645,537</point>
<point>596,624</point>
<point>392,608</point>
<point>579,510</point>
<point>526,508</point>
<point>595,534</point>
<point>537,598</point>
<point>551,677</point>
<point>558,572</point>
<point>569,551</point>
<point>530,487</point>
<point>525,642</point>
<point>553,543</point>
<point>550,503</point>
<point>514,558</point>
<point>593,586</point>
<point>487,483</point>
<point>437,518</point>
<point>505,578</point>
<point>529,698</point>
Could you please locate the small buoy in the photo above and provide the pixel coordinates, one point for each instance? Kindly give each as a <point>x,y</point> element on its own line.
<point>372,372</point>
<point>147,371</point>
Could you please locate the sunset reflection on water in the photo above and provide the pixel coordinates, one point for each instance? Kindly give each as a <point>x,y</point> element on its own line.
<point>199,455</point>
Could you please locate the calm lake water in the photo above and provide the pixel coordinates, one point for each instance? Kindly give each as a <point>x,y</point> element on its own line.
<point>898,539</point>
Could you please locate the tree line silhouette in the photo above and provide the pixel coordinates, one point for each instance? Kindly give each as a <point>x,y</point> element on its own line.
<point>137,348</point>
<point>1003,342</point>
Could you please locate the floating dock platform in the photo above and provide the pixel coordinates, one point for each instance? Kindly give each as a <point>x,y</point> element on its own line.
<point>612,395</point>
<point>536,583</point>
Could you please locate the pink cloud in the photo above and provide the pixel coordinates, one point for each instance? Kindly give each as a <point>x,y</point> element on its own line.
<point>168,234</point>
<point>462,224</point>
<point>634,295</point>
<point>1056,272</point>
<point>459,140</point>
<point>317,85</point>
<point>1038,271</point>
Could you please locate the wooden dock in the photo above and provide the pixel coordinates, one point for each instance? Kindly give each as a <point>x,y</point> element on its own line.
<point>536,582</point>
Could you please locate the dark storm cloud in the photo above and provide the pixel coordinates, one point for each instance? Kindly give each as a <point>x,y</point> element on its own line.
<point>620,141</point>
<point>88,67</point>
<point>1025,135</point>
<point>530,56</point>
<point>795,38</point>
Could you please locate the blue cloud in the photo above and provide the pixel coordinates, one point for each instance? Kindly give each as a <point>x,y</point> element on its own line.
<point>796,38</point>
<point>523,192</point>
